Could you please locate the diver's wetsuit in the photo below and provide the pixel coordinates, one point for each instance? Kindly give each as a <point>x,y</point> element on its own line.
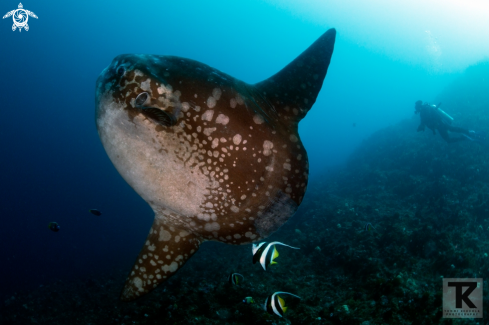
<point>431,118</point>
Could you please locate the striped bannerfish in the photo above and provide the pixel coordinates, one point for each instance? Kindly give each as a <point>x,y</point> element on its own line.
<point>368,226</point>
<point>233,278</point>
<point>265,255</point>
<point>274,304</point>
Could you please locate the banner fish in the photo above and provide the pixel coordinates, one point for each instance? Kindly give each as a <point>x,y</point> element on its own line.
<point>215,158</point>
<point>369,227</point>
<point>266,253</point>
<point>234,278</point>
<point>274,304</point>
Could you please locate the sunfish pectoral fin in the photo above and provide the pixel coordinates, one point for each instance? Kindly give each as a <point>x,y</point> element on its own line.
<point>165,251</point>
<point>292,91</point>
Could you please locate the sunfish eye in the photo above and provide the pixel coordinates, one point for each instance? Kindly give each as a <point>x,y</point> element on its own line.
<point>121,71</point>
<point>141,99</point>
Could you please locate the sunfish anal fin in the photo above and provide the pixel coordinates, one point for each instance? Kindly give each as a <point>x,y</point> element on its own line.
<point>166,250</point>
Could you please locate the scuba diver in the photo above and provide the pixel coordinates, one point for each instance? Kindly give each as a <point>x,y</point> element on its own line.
<point>435,119</point>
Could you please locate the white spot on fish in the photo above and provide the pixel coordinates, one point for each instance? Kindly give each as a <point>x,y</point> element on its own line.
<point>145,85</point>
<point>183,233</point>
<point>164,235</point>
<point>185,106</point>
<point>222,119</point>
<point>237,139</point>
<point>138,283</point>
<point>211,102</point>
<point>258,119</point>
<point>212,226</point>
<point>267,147</point>
<point>208,131</point>
<point>173,266</point>
<point>216,93</point>
<point>207,116</point>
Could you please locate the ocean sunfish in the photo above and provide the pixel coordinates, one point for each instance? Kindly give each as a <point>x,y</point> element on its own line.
<point>215,158</point>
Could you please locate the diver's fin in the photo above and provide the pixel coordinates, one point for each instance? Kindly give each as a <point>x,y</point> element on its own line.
<point>165,251</point>
<point>476,136</point>
<point>292,91</point>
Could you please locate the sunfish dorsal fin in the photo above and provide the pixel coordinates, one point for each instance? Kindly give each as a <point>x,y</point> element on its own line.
<point>292,91</point>
<point>165,251</point>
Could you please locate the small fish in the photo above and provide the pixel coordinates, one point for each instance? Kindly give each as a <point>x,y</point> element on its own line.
<point>54,226</point>
<point>233,278</point>
<point>265,255</point>
<point>95,212</point>
<point>248,300</point>
<point>354,124</point>
<point>274,304</point>
<point>368,226</point>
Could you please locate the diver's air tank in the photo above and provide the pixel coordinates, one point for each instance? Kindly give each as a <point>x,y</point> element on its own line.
<point>444,115</point>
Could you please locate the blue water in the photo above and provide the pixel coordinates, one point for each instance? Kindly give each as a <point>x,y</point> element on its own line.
<point>54,168</point>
